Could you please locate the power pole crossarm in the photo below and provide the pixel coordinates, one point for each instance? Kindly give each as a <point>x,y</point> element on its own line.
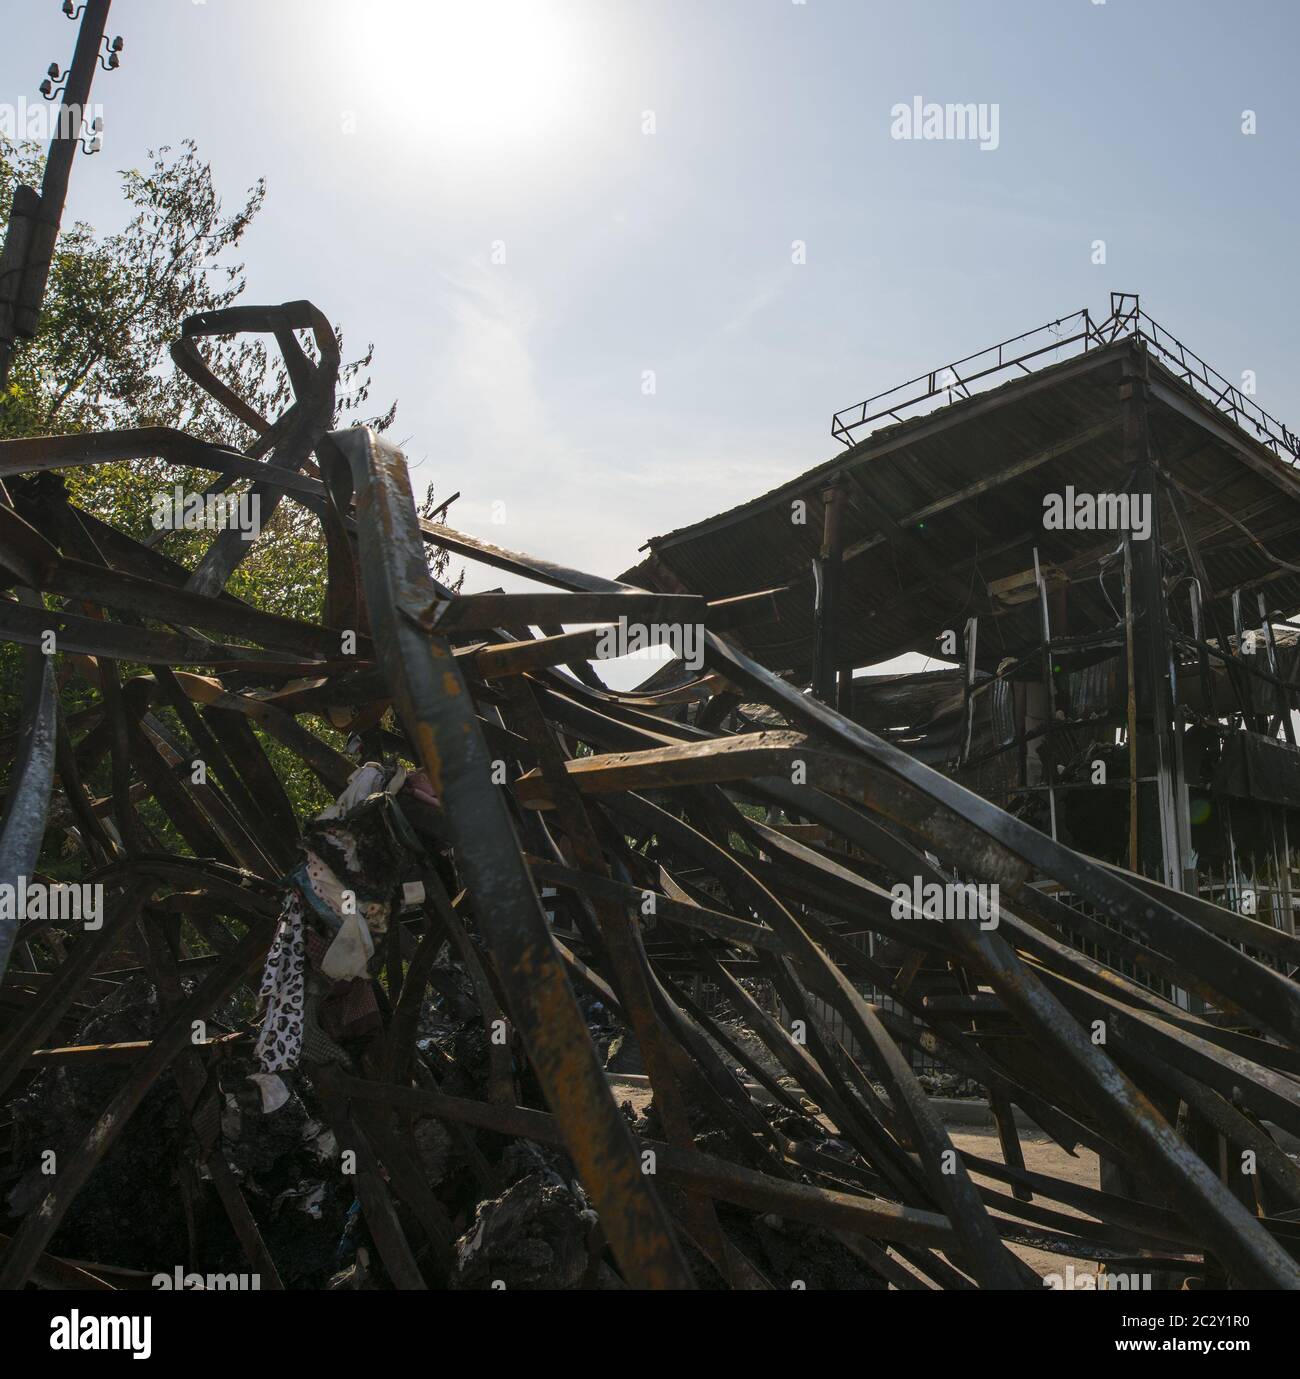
<point>35,218</point>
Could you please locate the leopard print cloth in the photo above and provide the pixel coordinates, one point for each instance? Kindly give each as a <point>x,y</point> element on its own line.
<point>279,1045</point>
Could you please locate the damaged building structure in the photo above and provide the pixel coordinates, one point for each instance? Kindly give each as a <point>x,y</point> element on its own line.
<point>368,1048</point>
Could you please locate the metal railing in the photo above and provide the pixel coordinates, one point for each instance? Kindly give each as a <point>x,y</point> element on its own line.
<point>1076,333</point>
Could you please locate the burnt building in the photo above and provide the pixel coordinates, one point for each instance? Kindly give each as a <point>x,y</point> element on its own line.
<point>1097,538</point>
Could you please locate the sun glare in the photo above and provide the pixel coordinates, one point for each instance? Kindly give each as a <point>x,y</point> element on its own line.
<point>470,74</point>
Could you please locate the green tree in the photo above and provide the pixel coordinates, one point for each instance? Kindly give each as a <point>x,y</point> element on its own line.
<point>100,360</point>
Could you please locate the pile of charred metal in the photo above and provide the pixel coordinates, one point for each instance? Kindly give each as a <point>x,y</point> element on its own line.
<point>368,1048</point>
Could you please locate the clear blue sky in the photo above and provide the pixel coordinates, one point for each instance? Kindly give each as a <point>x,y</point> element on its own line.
<point>402,141</point>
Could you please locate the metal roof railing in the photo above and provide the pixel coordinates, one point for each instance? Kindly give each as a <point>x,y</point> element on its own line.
<point>1075,333</point>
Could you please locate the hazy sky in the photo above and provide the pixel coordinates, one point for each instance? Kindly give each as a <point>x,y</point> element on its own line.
<point>644,168</point>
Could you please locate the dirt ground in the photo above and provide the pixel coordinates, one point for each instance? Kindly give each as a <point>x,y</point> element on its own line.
<point>1042,1155</point>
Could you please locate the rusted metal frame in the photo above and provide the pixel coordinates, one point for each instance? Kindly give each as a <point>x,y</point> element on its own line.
<point>1119,1105</point>
<point>1057,949</point>
<point>775,1089</point>
<point>31,784</point>
<point>399,1038</point>
<point>1059,955</point>
<point>712,1080</point>
<point>719,1177</point>
<point>192,1082</point>
<point>1225,1118</point>
<point>813,878</point>
<point>118,590</point>
<point>45,454</point>
<point>236,736</point>
<point>250,812</point>
<point>1009,844</point>
<point>715,923</point>
<point>742,756</point>
<point>128,1050</point>
<point>794,1057</point>
<point>23,1035</point>
<point>40,453</point>
<point>314,389</point>
<point>1058,922</point>
<point>1141,1217</point>
<point>99,847</point>
<point>754,1191</point>
<point>953,1188</point>
<point>906,1126</point>
<point>408,1183</point>
<point>612,726</point>
<point>854,1122</point>
<point>982,1065</point>
<point>237,837</point>
<point>40,1224</point>
<point>371,1189</point>
<point>230,830</point>
<point>707,691</point>
<point>972,1060</point>
<point>578,667</point>
<point>880,1261</point>
<point>72,528</point>
<point>501,1077</point>
<point>118,641</point>
<point>795,986</point>
<point>1129,1118</point>
<point>483,612</point>
<point>44,567</point>
<point>626,956</point>
<point>1228,924</point>
<point>125,818</point>
<point>1067,1234</point>
<point>514,658</point>
<point>430,697</point>
<point>332,768</point>
<point>185,355</point>
<point>198,812</point>
<point>240,890</point>
<point>344,605</point>
<point>181,809</point>
<point>1266,1092</point>
<point>623,947</point>
<point>726,1102</point>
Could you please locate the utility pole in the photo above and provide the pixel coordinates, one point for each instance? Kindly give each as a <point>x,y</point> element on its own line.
<point>35,217</point>
<point>34,222</point>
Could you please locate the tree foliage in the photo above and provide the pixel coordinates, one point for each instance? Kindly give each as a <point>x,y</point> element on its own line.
<point>100,360</point>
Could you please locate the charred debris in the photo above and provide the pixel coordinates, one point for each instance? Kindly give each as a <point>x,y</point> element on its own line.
<point>376,1047</point>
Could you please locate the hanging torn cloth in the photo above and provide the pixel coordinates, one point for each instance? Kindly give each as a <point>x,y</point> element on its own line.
<point>283,988</point>
<point>339,896</point>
